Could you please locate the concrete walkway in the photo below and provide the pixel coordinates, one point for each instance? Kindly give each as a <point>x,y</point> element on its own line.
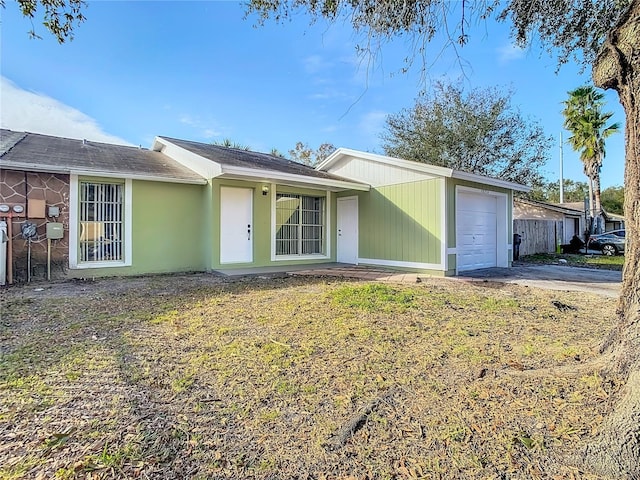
<point>552,277</point>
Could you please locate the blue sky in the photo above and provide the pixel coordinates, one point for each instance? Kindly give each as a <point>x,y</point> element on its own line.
<point>200,71</point>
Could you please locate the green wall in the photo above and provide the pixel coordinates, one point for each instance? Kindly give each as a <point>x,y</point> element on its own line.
<point>401,222</point>
<point>262,225</point>
<point>168,230</point>
<point>168,227</point>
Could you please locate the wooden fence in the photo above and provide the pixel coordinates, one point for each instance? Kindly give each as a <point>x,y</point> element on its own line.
<point>538,236</point>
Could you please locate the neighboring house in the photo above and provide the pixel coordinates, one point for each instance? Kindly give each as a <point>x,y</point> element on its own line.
<point>612,221</point>
<point>559,222</point>
<point>188,206</point>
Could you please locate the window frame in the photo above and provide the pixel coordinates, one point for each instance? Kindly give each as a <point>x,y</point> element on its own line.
<point>75,230</point>
<point>325,225</point>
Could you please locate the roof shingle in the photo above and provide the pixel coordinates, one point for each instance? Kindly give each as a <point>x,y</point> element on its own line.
<point>254,160</point>
<point>43,152</point>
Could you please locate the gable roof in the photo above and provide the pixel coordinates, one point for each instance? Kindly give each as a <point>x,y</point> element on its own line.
<point>8,139</point>
<point>573,205</point>
<point>345,153</point>
<point>612,217</point>
<point>213,161</point>
<point>555,207</point>
<point>45,153</point>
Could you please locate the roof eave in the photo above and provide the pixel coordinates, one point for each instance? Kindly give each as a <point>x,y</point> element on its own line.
<point>98,173</point>
<point>420,167</point>
<point>199,164</point>
<point>550,206</point>
<point>409,164</point>
<point>494,182</point>
<point>281,177</point>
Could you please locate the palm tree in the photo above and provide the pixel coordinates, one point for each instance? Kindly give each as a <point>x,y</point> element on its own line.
<point>588,125</point>
<point>227,142</point>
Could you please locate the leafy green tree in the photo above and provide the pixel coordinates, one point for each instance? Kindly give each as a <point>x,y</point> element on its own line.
<point>613,200</point>
<point>602,33</point>
<point>477,132</point>
<point>60,17</point>
<point>587,123</point>
<point>550,191</point>
<point>303,153</point>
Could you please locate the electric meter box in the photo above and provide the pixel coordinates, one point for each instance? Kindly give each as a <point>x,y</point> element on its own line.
<point>55,231</point>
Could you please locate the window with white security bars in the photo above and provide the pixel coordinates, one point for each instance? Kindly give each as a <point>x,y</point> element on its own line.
<point>101,222</point>
<point>300,224</point>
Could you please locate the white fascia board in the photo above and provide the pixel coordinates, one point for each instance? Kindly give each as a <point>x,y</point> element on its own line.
<point>150,178</point>
<point>96,173</point>
<point>34,168</point>
<point>398,162</point>
<point>494,182</point>
<point>420,167</point>
<point>202,166</point>
<point>269,176</point>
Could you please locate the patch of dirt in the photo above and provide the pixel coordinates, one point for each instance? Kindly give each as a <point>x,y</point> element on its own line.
<point>201,376</point>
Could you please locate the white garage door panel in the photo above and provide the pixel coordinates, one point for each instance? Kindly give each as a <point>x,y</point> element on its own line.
<point>476,227</point>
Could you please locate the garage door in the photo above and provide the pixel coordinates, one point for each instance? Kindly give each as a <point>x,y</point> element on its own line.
<point>476,231</point>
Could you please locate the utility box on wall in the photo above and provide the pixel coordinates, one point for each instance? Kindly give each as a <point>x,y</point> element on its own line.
<point>55,231</point>
<point>36,208</point>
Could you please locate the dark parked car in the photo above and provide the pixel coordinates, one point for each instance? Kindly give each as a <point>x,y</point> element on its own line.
<point>611,243</point>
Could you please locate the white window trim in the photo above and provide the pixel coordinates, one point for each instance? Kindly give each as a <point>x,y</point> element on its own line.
<point>309,256</point>
<point>74,235</point>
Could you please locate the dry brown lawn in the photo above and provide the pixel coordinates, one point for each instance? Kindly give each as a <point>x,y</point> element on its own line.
<point>194,376</point>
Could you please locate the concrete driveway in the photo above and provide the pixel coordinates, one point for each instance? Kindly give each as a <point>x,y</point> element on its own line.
<point>553,277</point>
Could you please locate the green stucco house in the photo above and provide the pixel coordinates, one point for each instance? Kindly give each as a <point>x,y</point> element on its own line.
<point>187,206</point>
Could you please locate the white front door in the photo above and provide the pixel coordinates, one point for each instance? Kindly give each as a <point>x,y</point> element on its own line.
<point>236,225</point>
<point>347,230</point>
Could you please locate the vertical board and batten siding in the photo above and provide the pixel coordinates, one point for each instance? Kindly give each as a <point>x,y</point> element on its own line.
<point>375,173</point>
<point>402,222</point>
<point>401,217</point>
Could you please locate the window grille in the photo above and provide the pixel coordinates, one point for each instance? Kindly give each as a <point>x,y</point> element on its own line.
<point>299,224</point>
<point>101,222</point>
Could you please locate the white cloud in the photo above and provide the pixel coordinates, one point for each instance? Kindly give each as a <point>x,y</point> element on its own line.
<point>509,53</point>
<point>316,64</point>
<point>37,113</point>
<point>330,94</point>
<point>372,124</point>
<point>205,129</point>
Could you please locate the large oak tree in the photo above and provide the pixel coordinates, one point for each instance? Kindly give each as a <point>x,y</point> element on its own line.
<point>477,131</point>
